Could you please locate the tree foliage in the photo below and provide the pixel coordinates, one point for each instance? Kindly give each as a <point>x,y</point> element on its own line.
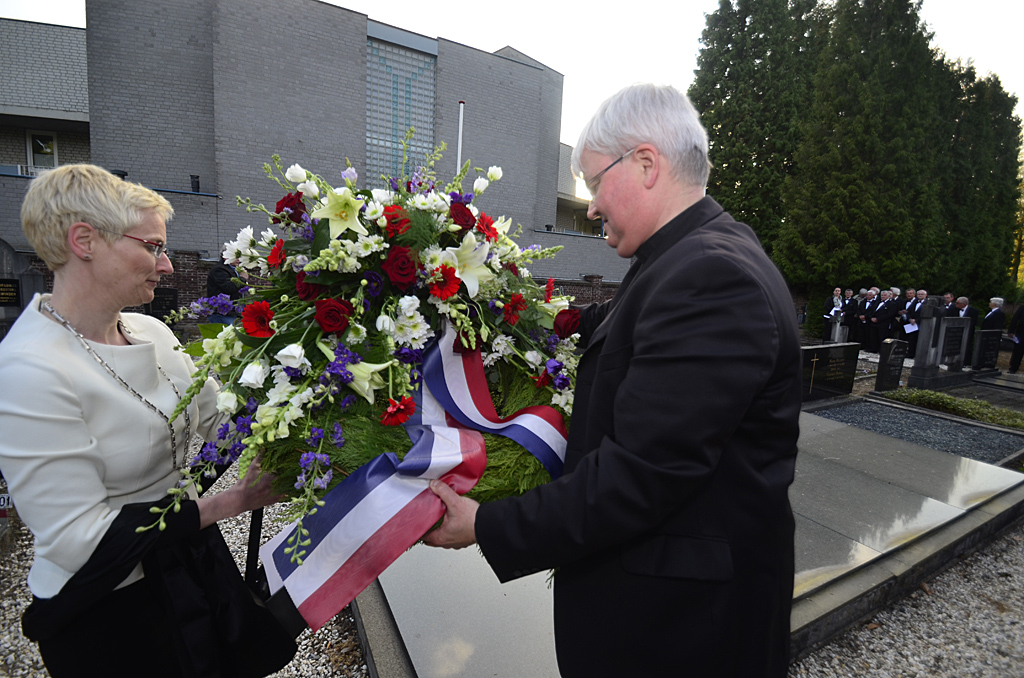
<point>858,153</point>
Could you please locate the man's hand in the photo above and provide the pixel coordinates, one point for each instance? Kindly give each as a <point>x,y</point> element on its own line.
<point>458,529</point>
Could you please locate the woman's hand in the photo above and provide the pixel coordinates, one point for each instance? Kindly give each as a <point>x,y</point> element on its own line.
<point>249,493</point>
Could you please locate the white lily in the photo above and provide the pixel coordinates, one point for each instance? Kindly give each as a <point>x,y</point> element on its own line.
<point>472,260</point>
<point>365,378</point>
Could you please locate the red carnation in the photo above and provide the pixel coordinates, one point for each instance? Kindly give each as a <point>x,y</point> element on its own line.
<point>256,319</point>
<point>398,412</point>
<point>462,216</point>
<point>542,379</point>
<point>485,225</point>
<point>293,203</point>
<point>306,291</point>
<point>398,221</point>
<point>276,256</point>
<point>333,314</point>
<point>549,289</point>
<point>448,285</point>
<point>400,267</point>
<point>567,322</point>
<point>509,266</point>
<point>512,308</point>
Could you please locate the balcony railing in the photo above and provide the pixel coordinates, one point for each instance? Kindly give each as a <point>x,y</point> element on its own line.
<point>23,170</point>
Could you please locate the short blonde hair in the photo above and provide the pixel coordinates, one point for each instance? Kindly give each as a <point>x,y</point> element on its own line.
<point>60,197</point>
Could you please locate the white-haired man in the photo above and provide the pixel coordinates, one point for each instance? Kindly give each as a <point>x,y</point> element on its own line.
<point>671,529</point>
<point>996,318</point>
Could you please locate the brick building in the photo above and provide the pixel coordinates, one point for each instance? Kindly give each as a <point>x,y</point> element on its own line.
<point>191,97</point>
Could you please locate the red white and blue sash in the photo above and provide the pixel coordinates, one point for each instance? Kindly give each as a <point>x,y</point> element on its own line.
<point>386,506</point>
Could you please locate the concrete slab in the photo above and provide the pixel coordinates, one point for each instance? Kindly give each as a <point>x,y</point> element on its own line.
<point>875,516</point>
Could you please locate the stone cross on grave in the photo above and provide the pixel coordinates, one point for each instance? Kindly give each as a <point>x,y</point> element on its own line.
<point>814,365</point>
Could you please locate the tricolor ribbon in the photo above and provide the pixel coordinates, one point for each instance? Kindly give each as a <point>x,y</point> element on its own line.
<point>386,505</point>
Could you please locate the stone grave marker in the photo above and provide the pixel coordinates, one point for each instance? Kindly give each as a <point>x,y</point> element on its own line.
<point>829,371</point>
<point>18,283</point>
<point>986,349</point>
<point>953,343</point>
<point>165,300</point>
<point>890,364</point>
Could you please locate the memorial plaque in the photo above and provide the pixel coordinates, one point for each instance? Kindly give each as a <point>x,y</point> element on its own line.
<point>165,300</point>
<point>10,293</point>
<point>890,364</point>
<point>986,348</point>
<point>829,371</point>
<point>952,343</point>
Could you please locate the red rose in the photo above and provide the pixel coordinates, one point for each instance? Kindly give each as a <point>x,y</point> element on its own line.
<point>400,267</point>
<point>462,216</point>
<point>276,256</point>
<point>256,319</point>
<point>333,314</point>
<point>485,225</point>
<point>567,322</point>
<point>509,266</point>
<point>293,203</point>
<point>398,412</point>
<point>306,291</point>
<point>398,221</point>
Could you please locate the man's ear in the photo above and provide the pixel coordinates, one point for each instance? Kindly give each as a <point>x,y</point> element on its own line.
<point>651,163</point>
<point>82,240</point>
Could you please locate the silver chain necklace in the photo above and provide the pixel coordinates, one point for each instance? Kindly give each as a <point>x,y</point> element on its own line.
<point>111,372</point>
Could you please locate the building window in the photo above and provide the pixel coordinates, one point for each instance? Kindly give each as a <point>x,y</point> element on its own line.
<point>42,151</point>
<point>399,95</point>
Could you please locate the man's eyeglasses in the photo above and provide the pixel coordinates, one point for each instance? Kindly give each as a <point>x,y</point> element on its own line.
<point>592,182</point>
<point>155,248</point>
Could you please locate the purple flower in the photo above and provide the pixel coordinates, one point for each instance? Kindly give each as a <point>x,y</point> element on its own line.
<point>395,186</point>
<point>243,424</point>
<point>347,402</point>
<point>409,356</point>
<point>374,283</point>
<point>223,431</point>
<point>561,381</point>
<point>251,405</point>
<point>349,174</point>
<point>337,439</point>
<point>553,366</point>
<point>315,436</point>
<point>293,372</point>
<point>493,305</point>
<point>300,481</point>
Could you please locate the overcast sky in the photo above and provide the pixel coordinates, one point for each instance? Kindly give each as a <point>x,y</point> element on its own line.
<point>601,52</point>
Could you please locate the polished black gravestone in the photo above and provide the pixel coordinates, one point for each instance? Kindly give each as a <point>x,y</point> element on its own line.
<point>890,364</point>
<point>165,300</point>
<point>952,346</point>
<point>986,349</point>
<point>829,371</point>
<point>18,283</point>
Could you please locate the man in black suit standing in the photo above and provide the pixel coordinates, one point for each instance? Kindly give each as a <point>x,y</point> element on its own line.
<point>882,320</point>
<point>865,310</point>
<point>911,329</point>
<point>995,319</point>
<point>673,515</point>
<point>951,309</point>
<point>221,280</point>
<point>1016,333</point>
<point>965,310</point>
<point>850,315</point>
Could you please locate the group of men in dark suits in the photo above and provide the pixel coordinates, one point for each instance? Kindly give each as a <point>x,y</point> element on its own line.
<point>876,315</point>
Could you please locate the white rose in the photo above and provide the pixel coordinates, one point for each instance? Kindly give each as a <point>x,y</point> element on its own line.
<point>308,188</point>
<point>291,356</point>
<point>253,376</point>
<point>408,305</point>
<point>295,173</point>
<point>534,358</point>
<point>480,185</point>
<point>493,172</point>
<point>227,402</point>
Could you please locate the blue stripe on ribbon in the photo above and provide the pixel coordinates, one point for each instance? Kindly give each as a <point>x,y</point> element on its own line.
<point>433,376</point>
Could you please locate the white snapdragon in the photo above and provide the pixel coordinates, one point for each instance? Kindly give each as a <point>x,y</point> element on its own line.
<point>308,188</point>
<point>494,173</point>
<point>295,173</point>
<point>480,185</point>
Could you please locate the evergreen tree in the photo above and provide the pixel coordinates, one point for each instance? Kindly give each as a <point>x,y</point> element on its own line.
<point>862,205</point>
<point>751,87</point>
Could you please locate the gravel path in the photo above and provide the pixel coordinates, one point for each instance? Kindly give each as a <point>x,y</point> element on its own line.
<point>973,442</point>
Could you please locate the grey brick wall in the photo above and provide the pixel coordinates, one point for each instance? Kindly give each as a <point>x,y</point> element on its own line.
<point>151,89</point>
<point>310,108</point>
<point>512,120</point>
<point>582,255</point>
<point>12,191</point>
<point>43,66</point>
<point>566,181</point>
<point>73,147</point>
<point>12,146</point>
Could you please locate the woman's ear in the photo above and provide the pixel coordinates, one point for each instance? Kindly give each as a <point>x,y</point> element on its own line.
<point>82,240</point>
